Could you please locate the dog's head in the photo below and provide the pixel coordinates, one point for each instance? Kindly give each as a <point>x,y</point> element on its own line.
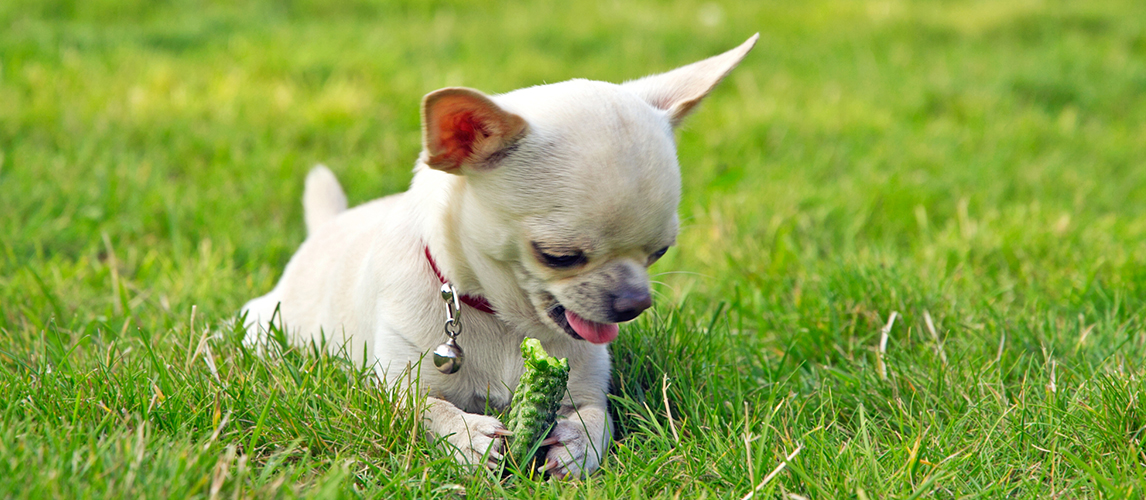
<point>572,186</point>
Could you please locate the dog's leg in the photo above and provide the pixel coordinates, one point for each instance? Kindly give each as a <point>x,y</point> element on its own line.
<point>579,441</point>
<point>476,439</point>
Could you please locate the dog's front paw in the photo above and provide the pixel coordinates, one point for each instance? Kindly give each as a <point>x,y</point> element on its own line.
<point>478,440</point>
<point>572,454</point>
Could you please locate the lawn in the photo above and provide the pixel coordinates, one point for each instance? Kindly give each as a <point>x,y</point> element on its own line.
<point>912,257</point>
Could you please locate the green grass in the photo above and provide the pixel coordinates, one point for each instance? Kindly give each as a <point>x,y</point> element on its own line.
<point>976,162</point>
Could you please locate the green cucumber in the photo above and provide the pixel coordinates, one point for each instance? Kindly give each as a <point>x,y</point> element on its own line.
<point>536,400</point>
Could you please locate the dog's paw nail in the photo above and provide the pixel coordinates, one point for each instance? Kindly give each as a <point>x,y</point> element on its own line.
<point>549,441</point>
<point>502,432</point>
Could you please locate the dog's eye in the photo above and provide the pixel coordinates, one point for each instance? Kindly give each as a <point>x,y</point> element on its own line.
<point>657,255</point>
<point>560,261</point>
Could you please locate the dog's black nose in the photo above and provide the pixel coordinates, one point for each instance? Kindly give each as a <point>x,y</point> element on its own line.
<point>629,304</point>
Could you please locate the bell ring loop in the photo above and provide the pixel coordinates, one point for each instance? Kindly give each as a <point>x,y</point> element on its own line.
<point>448,357</point>
<point>453,328</point>
<point>450,295</point>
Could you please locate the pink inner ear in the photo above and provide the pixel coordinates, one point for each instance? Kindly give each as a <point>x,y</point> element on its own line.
<point>459,132</point>
<point>465,127</point>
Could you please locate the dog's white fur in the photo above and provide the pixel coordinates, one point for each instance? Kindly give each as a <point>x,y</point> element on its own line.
<point>573,166</point>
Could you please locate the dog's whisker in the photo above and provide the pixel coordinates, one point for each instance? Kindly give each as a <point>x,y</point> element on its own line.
<point>702,275</point>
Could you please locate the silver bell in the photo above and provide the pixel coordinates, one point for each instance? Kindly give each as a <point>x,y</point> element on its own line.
<point>448,357</point>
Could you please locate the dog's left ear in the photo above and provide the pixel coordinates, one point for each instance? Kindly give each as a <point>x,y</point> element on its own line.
<point>462,127</point>
<point>680,90</point>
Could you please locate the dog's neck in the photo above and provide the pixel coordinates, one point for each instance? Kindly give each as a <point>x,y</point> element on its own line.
<point>440,223</point>
<point>475,301</point>
<point>445,233</point>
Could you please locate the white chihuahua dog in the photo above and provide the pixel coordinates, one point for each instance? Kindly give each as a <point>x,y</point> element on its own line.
<point>543,208</point>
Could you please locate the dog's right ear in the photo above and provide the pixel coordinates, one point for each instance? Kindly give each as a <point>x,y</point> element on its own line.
<point>463,127</point>
<point>680,90</point>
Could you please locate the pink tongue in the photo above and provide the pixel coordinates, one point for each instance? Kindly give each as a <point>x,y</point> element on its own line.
<point>597,333</point>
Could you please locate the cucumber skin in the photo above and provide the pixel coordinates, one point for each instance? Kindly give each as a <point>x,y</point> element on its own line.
<point>533,409</point>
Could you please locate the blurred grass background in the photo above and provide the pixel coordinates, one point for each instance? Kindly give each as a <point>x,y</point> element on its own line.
<point>977,161</point>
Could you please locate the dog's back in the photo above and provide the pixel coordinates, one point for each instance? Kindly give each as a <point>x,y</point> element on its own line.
<point>313,291</point>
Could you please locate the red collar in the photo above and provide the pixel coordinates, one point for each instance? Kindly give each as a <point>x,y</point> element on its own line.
<point>475,301</point>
